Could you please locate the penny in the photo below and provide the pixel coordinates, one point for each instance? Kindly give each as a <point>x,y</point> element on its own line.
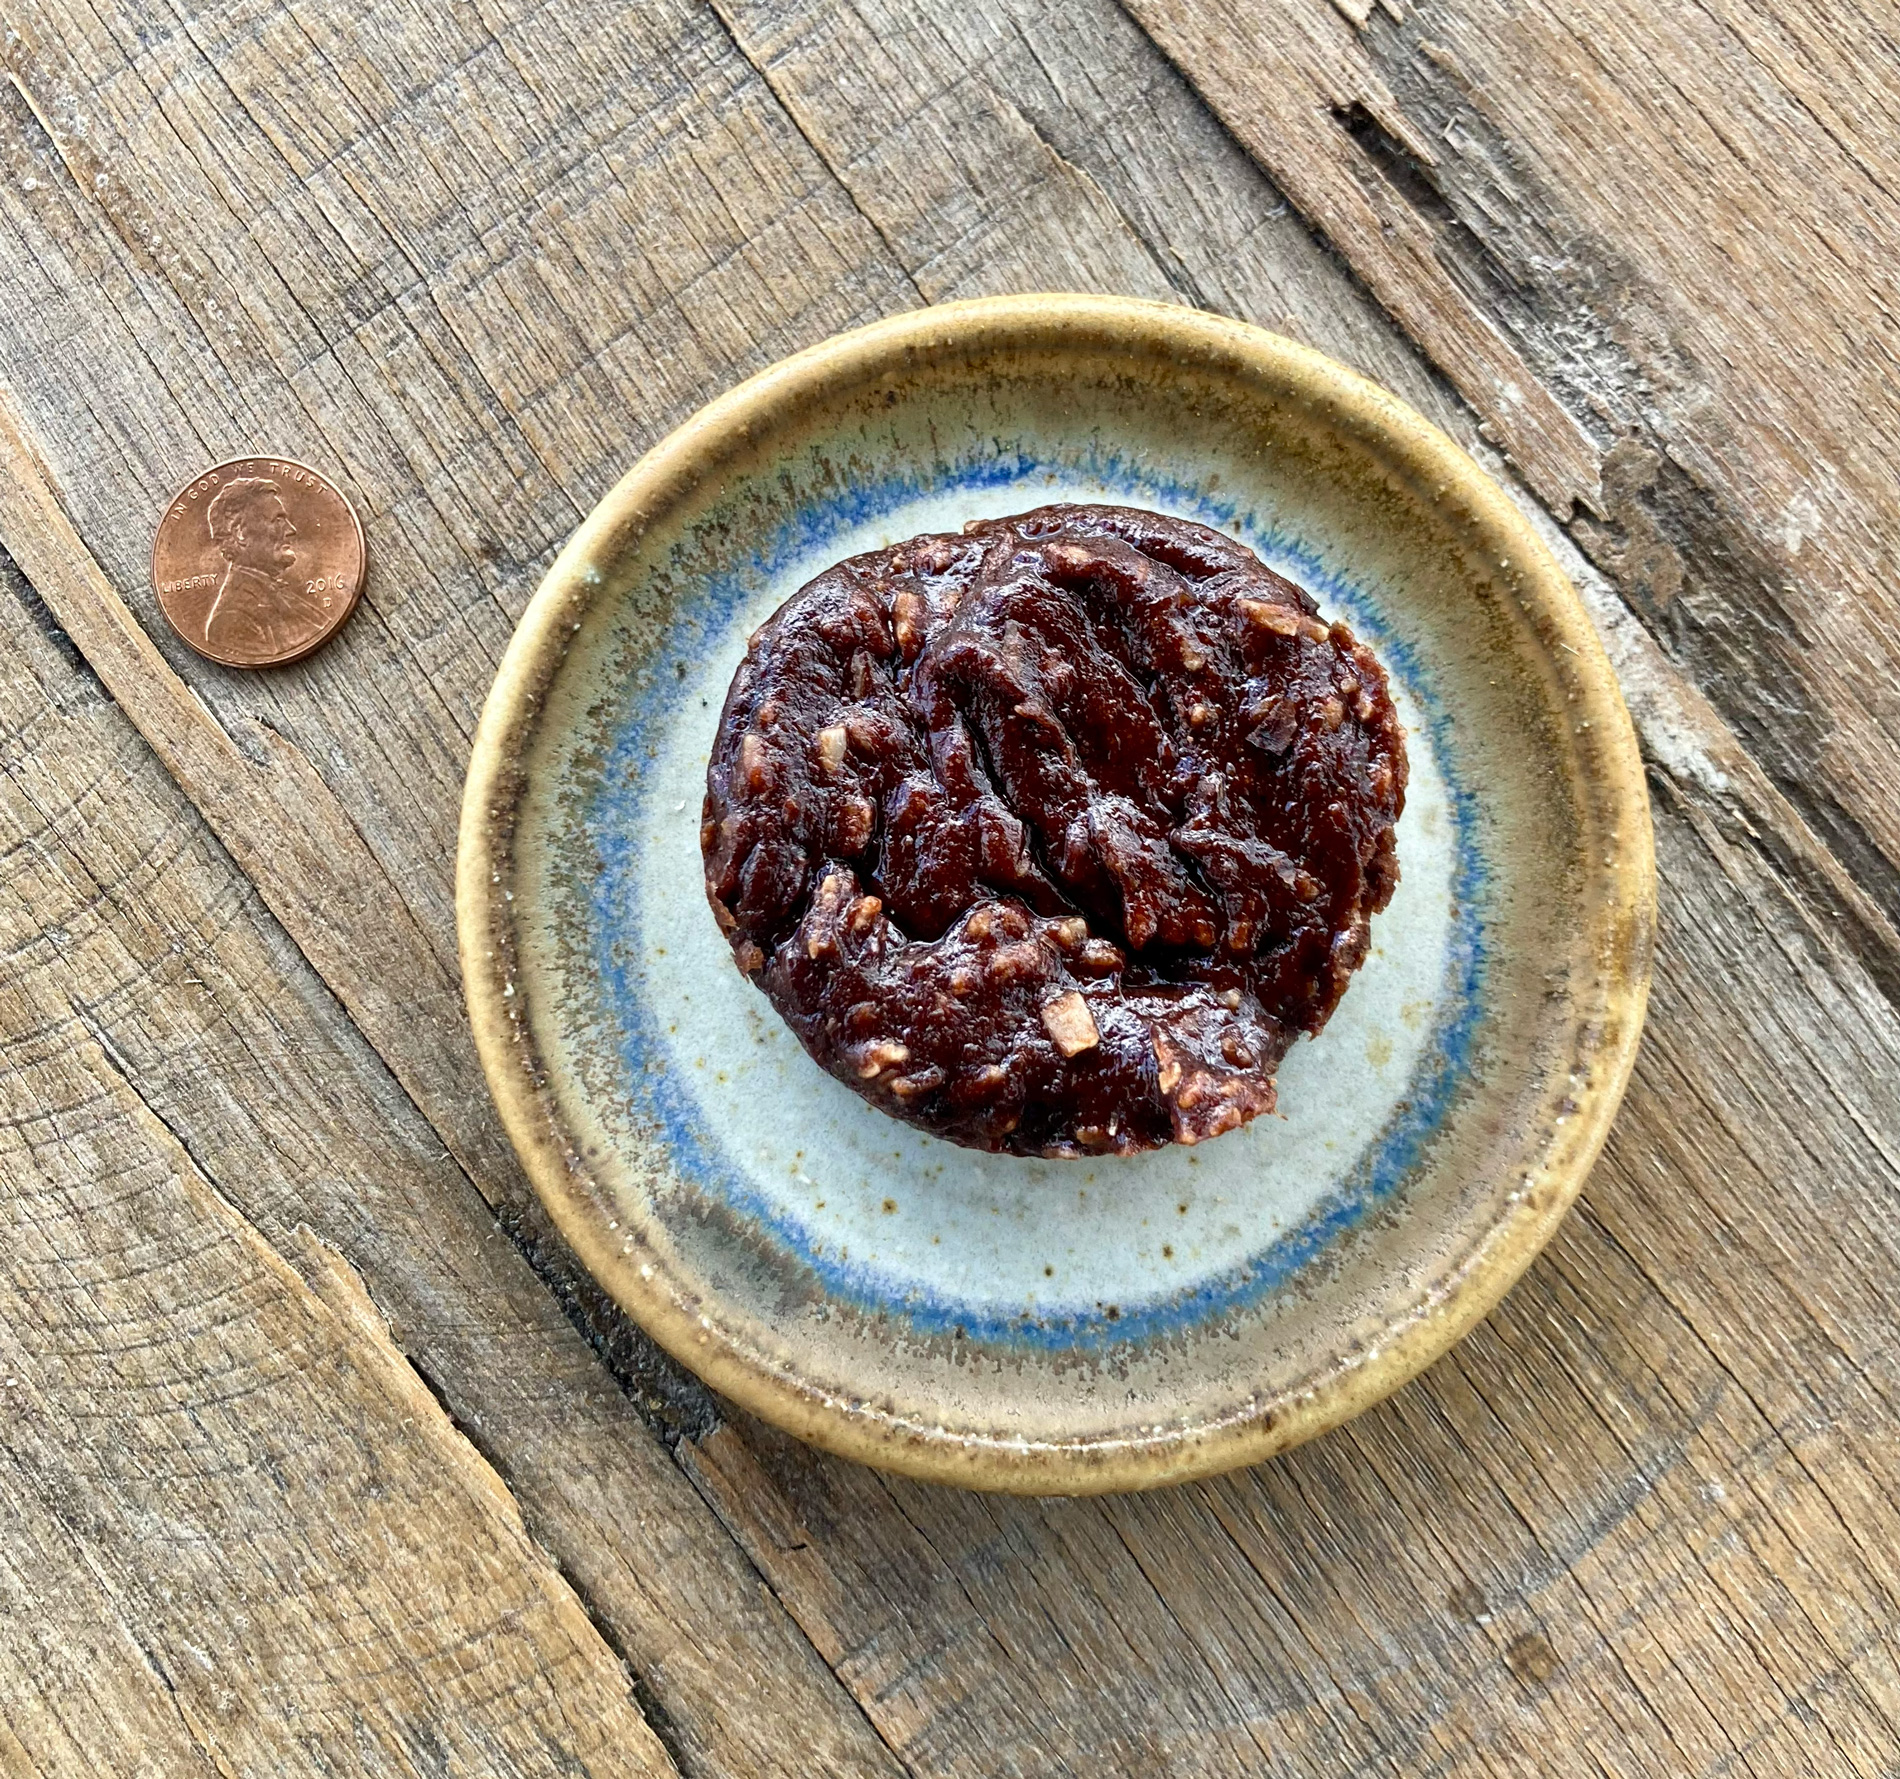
<point>258,562</point>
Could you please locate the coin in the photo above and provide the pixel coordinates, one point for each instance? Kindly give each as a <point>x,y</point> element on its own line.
<point>258,562</point>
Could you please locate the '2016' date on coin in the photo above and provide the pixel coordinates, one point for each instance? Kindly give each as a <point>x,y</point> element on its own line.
<point>258,562</point>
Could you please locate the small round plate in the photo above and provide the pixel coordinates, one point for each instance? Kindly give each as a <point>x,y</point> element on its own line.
<point>1056,1326</point>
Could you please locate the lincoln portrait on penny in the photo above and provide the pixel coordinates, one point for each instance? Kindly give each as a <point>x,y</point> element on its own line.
<point>261,606</point>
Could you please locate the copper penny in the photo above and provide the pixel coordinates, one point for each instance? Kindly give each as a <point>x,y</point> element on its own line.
<point>258,562</point>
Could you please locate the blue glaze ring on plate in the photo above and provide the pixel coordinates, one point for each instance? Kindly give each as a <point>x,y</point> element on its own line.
<point>1056,1326</point>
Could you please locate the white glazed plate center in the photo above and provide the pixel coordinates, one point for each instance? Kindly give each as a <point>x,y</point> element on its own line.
<point>903,1219</point>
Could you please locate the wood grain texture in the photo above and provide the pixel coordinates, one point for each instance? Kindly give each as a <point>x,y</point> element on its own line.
<point>231,1505</point>
<point>1683,224</point>
<point>1061,152</point>
<point>128,920</point>
<point>682,1600</point>
<point>1642,1522</point>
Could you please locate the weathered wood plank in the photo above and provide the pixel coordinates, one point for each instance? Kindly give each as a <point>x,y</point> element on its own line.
<point>1645,1512</point>
<point>955,179</point>
<point>1682,224</point>
<point>904,96</point>
<point>93,1692</point>
<point>1058,150</point>
<point>123,910</point>
<point>233,1492</point>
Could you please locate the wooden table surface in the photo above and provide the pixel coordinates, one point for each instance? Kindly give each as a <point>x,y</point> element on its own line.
<point>319,1453</point>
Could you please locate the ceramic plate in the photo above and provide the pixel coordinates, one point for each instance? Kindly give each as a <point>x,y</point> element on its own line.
<point>1056,1326</point>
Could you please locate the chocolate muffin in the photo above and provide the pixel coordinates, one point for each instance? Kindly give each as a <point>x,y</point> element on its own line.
<point>1052,836</point>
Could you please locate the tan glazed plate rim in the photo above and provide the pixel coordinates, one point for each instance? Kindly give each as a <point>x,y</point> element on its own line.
<point>1616,900</point>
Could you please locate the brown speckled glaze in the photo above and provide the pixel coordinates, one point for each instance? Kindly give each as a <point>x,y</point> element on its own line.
<point>734,1205</point>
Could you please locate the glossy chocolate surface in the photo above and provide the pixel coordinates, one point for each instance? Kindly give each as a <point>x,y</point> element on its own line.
<point>1050,837</point>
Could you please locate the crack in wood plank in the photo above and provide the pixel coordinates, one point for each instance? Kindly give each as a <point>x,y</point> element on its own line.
<point>258,1414</point>
<point>1677,241</point>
